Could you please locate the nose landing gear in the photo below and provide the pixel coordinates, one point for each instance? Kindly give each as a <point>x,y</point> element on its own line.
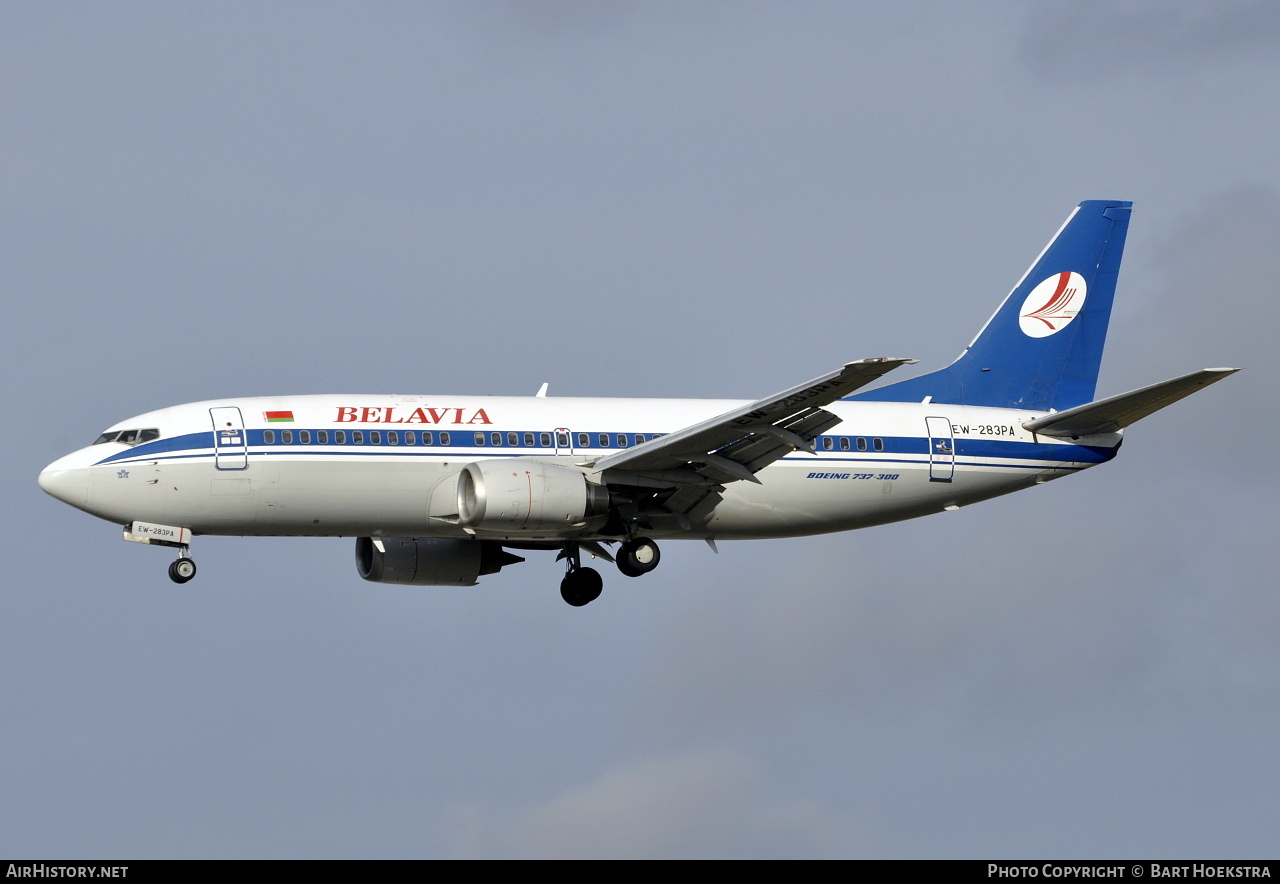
<point>183,568</point>
<point>175,536</point>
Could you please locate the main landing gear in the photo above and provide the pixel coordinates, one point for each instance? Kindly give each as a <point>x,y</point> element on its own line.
<point>581,586</point>
<point>638,556</point>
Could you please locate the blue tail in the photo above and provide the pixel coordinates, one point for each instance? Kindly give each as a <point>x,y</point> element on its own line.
<point>1043,347</point>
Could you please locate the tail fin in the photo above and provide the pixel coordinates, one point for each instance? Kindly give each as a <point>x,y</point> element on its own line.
<point>1043,347</point>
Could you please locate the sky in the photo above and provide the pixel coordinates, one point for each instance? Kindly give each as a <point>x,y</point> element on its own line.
<point>699,199</point>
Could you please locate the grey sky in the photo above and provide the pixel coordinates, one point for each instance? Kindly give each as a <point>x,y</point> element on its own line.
<point>696,199</point>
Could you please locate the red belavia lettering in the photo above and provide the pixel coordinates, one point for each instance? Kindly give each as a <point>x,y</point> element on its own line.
<point>441,491</point>
<point>373,414</point>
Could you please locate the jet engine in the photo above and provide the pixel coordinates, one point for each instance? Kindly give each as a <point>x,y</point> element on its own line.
<point>520,495</point>
<point>429,561</point>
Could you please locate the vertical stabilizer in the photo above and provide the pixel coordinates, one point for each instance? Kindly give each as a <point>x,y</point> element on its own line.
<point>1043,347</point>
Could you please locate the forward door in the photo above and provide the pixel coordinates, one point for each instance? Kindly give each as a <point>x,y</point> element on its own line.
<point>230,444</point>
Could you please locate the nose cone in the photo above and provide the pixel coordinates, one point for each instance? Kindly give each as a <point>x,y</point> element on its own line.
<point>69,483</point>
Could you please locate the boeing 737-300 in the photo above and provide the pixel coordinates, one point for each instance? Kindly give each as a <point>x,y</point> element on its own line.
<point>438,490</point>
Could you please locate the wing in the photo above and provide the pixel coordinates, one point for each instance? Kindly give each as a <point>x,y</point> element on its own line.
<point>698,460</point>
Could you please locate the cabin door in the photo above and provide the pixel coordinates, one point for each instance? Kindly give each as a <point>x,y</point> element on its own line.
<point>942,449</point>
<point>230,444</point>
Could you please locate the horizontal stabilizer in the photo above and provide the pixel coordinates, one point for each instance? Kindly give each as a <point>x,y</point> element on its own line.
<point>1116,412</point>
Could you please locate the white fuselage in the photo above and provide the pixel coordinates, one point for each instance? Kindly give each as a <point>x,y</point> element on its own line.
<point>347,466</point>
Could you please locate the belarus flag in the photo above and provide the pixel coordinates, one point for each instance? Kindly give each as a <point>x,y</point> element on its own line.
<point>278,417</point>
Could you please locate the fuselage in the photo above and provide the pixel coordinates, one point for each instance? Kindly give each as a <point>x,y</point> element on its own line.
<point>388,466</point>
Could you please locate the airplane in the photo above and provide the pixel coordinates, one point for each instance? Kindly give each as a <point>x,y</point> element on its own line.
<point>440,490</point>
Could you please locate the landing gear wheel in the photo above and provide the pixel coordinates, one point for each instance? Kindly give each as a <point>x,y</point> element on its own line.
<point>637,557</point>
<point>580,586</point>
<point>181,570</point>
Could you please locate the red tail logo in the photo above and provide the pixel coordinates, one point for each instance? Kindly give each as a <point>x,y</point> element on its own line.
<point>1051,305</point>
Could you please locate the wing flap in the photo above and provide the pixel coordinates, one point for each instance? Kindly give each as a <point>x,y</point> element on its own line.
<point>1117,412</point>
<point>769,442</point>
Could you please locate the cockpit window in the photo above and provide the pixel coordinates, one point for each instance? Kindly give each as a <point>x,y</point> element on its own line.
<point>129,437</point>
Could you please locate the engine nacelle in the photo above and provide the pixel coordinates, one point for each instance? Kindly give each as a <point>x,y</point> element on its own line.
<point>519,495</point>
<point>429,561</point>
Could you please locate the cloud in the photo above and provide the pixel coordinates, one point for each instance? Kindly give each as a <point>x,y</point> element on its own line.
<point>701,803</point>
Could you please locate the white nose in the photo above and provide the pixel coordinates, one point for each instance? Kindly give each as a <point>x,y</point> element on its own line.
<point>68,484</point>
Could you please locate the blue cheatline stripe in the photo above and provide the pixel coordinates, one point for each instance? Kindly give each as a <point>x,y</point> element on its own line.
<point>799,462</point>
<point>910,450</point>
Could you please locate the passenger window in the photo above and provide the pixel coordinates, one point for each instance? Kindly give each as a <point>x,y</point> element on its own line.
<point>584,440</point>
<point>444,438</point>
<point>268,437</point>
<point>479,438</point>
<point>528,440</point>
<point>622,440</point>
<point>286,436</point>
<point>827,443</point>
<point>357,437</point>
<point>410,437</point>
<point>340,437</point>
<point>562,440</point>
<point>428,438</point>
<point>304,436</point>
<point>862,444</point>
<point>495,438</point>
<point>544,439</point>
<point>322,437</point>
<point>375,437</point>
<point>513,439</point>
<point>878,443</point>
<point>393,438</point>
<point>603,438</point>
<point>844,443</point>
